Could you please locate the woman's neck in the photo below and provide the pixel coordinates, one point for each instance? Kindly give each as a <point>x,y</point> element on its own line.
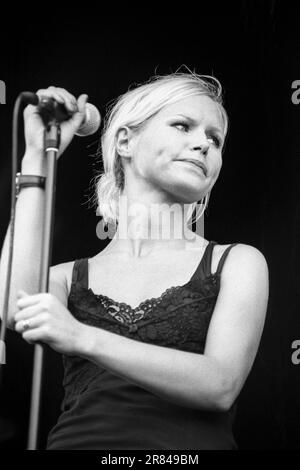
<point>144,227</point>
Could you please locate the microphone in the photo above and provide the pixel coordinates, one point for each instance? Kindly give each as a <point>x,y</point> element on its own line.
<point>48,108</point>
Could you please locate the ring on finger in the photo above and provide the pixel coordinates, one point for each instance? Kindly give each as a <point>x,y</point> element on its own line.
<point>26,325</point>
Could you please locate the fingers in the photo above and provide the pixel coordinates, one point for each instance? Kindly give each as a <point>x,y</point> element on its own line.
<point>34,125</point>
<point>79,116</point>
<point>51,92</point>
<point>28,300</point>
<point>28,312</point>
<point>37,334</point>
<point>31,322</point>
<point>81,102</point>
<point>61,96</point>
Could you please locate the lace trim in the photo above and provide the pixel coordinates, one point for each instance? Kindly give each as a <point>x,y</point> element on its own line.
<point>125,314</point>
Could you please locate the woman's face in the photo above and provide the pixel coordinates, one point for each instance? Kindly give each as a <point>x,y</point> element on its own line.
<point>190,129</point>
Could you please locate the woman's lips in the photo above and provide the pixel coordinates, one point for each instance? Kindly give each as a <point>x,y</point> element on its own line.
<point>194,165</point>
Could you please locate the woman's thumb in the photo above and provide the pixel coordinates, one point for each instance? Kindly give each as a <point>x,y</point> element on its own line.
<point>80,115</point>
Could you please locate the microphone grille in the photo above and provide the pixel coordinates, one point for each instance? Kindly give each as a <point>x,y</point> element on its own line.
<point>91,123</point>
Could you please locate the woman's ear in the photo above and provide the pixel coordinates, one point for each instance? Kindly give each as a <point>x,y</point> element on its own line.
<point>124,139</point>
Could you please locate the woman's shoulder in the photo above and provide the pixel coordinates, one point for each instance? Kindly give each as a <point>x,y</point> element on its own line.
<point>239,253</point>
<point>62,273</point>
<point>240,256</point>
<point>238,247</point>
<point>242,249</point>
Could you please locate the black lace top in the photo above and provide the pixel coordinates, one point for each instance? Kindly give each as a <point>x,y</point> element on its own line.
<point>103,411</point>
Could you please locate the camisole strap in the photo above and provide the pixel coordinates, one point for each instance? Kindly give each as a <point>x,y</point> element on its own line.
<point>204,267</point>
<point>223,257</point>
<point>80,274</point>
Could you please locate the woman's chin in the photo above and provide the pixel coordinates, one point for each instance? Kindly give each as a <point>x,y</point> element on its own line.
<point>187,197</point>
<point>187,194</point>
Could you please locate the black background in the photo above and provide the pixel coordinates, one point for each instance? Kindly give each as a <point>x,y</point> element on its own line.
<point>253,47</point>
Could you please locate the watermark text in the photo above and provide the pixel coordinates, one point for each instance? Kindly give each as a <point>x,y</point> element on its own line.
<point>2,92</point>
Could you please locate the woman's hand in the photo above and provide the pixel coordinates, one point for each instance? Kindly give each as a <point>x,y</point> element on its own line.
<point>34,127</point>
<point>43,318</point>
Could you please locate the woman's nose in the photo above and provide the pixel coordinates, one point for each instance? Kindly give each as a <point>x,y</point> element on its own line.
<point>200,143</point>
<point>203,147</point>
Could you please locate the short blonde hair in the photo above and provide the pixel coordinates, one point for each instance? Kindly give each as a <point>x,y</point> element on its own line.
<point>133,109</point>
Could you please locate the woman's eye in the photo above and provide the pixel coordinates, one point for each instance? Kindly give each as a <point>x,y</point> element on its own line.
<point>185,127</point>
<point>216,140</point>
<point>182,126</point>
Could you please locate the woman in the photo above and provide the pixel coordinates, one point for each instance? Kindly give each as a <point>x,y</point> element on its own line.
<point>157,332</point>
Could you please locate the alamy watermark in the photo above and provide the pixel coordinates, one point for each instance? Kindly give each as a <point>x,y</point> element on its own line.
<point>2,92</point>
<point>154,222</point>
<point>296,94</point>
<point>296,354</point>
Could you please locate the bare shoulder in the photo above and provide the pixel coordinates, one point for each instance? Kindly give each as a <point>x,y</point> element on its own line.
<point>240,259</point>
<point>245,265</point>
<point>218,251</point>
<point>60,276</point>
<point>243,254</point>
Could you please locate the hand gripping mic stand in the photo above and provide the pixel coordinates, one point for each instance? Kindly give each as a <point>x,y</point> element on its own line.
<point>51,146</point>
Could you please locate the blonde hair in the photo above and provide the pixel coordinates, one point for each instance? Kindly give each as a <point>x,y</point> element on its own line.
<point>133,109</point>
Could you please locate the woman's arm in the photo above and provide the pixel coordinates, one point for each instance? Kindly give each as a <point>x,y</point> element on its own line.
<point>212,380</point>
<point>27,240</point>
<point>29,214</point>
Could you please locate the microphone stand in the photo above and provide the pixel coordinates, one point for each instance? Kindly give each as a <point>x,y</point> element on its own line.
<point>51,146</point>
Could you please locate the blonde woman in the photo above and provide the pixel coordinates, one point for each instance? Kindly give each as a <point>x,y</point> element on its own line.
<point>157,332</point>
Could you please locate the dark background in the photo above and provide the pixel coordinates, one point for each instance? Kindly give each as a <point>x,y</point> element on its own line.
<point>253,47</point>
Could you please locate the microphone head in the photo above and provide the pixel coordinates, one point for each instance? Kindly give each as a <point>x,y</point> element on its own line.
<point>91,122</point>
